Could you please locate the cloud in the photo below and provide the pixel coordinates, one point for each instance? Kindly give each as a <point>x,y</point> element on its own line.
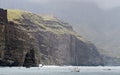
<point>107,3</point>
<point>40,1</point>
<point>102,3</point>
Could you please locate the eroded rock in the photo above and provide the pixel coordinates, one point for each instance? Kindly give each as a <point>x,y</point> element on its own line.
<point>28,39</point>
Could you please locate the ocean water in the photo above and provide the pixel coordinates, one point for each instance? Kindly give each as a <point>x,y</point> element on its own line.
<point>57,70</point>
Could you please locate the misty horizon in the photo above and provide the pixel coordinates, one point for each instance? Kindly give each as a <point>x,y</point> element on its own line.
<point>95,20</point>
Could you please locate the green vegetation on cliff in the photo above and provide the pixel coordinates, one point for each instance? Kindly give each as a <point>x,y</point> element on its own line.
<point>46,22</point>
<point>31,39</point>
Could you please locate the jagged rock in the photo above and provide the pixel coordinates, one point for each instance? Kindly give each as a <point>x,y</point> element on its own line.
<point>28,39</point>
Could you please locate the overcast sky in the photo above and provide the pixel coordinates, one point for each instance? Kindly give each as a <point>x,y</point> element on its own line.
<point>21,3</point>
<point>64,9</point>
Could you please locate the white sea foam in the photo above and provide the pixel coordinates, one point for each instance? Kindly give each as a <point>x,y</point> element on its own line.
<point>61,70</point>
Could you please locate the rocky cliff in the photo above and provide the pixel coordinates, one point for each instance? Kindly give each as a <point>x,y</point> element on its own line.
<point>28,39</point>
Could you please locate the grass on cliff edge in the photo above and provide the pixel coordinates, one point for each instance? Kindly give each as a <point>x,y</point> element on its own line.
<point>14,15</point>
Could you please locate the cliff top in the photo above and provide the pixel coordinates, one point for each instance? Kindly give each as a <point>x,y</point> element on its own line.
<point>14,14</point>
<point>45,22</point>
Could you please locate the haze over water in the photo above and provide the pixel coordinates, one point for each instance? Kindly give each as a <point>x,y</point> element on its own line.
<point>70,14</point>
<point>56,70</point>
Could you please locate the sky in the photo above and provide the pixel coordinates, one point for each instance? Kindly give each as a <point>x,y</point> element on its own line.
<point>62,9</point>
<point>59,8</point>
<point>54,6</point>
<point>25,3</point>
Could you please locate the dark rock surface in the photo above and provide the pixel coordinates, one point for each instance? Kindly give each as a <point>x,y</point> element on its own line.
<point>27,39</point>
<point>3,22</point>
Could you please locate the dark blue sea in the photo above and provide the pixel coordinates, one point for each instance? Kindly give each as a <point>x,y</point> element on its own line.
<point>60,70</point>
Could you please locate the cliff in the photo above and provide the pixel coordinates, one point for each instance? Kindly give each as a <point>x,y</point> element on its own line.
<point>28,39</point>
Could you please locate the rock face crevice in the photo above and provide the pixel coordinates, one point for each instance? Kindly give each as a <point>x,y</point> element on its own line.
<point>30,40</point>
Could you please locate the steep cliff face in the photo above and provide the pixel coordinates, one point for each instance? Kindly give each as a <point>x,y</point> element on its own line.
<point>3,22</point>
<point>31,39</point>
